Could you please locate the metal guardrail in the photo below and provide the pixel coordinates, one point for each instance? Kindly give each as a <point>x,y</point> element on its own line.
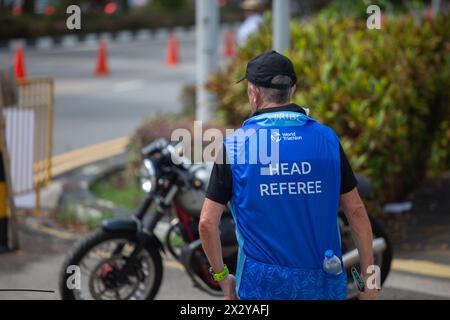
<point>29,135</point>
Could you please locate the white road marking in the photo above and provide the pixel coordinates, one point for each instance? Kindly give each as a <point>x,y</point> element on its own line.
<point>127,86</point>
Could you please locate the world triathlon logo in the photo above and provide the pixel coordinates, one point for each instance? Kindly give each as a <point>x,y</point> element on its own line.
<point>275,137</point>
<point>286,136</point>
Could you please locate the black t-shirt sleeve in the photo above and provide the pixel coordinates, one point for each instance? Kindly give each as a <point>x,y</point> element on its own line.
<point>220,183</point>
<point>348,180</point>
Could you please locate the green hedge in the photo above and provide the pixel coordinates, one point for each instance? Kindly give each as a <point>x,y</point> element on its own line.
<point>160,14</point>
<point>31,26</point>
<point>385,92</point>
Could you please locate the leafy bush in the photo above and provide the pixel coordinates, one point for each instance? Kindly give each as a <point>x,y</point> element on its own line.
<point>171,4</point>
<point>162,126</point>
<point>357,8</point>
<point>385,92</point>
<point>158,126</point>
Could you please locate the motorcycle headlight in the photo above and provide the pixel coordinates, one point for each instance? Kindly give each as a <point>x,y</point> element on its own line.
<point>147,176</point>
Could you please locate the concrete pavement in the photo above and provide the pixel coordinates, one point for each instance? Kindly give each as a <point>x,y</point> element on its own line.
<point>37,265</point>
<point>43,247</point>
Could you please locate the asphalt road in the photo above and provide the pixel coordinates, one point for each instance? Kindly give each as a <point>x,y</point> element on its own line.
<point>90,109</point>
<point>37,264</point>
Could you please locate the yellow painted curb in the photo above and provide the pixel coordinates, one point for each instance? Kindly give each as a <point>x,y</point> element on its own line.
<point>173,265</point>
<point>426,268</point>
<point>74,159</point>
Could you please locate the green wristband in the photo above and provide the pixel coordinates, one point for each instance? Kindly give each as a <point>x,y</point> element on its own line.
<point>221,275</point>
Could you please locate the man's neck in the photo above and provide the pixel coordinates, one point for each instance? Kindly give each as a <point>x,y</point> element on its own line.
<point>272,105</point>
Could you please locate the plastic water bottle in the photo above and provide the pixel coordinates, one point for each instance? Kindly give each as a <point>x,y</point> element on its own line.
<point>331,263</point>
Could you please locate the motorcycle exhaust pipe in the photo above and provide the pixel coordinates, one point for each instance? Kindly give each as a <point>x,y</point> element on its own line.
<point>352,257</point>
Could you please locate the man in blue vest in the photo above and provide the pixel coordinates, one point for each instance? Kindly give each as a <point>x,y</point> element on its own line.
<point>285,176</point>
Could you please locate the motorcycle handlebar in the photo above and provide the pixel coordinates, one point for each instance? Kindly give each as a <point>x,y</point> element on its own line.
<point>170,155</point>
<point>154,147</point>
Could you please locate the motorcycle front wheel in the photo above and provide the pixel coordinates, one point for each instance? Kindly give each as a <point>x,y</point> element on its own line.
<point>92,270</point>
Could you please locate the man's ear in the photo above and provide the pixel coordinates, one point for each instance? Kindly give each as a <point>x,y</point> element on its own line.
<point>292,91</point>
<point>253,94</point>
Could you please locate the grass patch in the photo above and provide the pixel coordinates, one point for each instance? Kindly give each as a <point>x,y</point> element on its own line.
<point>122,190</point>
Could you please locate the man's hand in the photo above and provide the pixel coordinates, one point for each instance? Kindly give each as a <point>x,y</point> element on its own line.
<point>210,237</point>
<point>369,294</point>
<point>359,222</point>
<point>228,286</point>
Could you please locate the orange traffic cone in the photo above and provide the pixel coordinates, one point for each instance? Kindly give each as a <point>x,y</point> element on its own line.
<point>172,51</point>
<point>102,60</point>
<point>19,64</point>
<point>17,10</point>
<point>229,44</point>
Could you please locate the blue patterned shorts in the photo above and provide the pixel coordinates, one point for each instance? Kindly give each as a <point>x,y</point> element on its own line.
<point>261,281</point>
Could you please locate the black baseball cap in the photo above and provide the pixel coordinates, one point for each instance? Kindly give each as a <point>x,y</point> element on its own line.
<point>262,69</point>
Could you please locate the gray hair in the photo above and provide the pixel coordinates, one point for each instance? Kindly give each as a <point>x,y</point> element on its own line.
<point>278,95</point>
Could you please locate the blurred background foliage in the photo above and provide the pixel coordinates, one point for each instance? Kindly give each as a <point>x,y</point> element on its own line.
<point>48,17</point>
<point>162,126</point>
<point>95,18</point>
<point>357,8</point>
<point>385,92</point>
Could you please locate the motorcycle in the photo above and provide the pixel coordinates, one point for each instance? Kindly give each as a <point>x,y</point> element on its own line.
<point>122,260</point>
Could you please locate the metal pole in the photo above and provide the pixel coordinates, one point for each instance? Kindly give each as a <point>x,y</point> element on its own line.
<point>281,25</point>
<point>207,29</point>
<point>8,185</point>
<point>50,115</point>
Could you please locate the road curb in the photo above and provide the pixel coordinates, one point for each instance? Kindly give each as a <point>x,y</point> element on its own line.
<point>76,186</point>
<point>56,232</point>
<point>74,40</point>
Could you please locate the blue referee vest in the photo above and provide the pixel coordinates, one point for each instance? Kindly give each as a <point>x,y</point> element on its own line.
<point>285,200</point>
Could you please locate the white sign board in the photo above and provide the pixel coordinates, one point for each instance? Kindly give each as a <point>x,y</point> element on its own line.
<point>19,129</point>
